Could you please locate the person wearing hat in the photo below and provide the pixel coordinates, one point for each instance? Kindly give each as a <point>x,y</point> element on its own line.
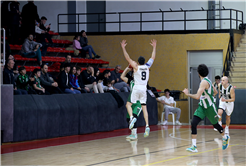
<point>63,81</point>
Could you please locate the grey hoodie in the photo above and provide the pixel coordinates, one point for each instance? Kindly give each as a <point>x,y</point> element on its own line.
<point>29,46</point>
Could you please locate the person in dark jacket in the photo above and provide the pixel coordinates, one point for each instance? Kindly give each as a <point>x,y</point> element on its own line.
<point>84,44</point>
<point>8,78</point>
<point>14,21</point>
<point>49,85</point>
<point>80,81</point>
<point>29,17</point>
<point>117,82</point>
<point>63,81</point>
<point>46,29</point>
<point>90,81</point>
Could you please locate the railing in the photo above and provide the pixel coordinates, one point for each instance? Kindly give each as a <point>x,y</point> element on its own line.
<point>160,17</point>
<point>228,60</point>
<point>2,61</point>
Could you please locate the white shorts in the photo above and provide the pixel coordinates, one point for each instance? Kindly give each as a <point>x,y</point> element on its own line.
<point>227,107</point>
<point>139,94</point>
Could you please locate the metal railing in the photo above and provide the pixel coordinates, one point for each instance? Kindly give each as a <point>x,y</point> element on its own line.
<point>228,60</point>
<point>163,20</point>
<point>2,61</point>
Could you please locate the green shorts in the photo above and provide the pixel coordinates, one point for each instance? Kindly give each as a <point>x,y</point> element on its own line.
<point>210,113</point>
<point>136,109</point>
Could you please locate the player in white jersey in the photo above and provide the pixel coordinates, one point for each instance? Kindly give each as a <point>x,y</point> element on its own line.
<point>227,98</point>
<point>141,77</point>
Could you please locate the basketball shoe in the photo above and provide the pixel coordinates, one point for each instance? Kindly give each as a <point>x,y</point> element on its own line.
<point>225,142</point>
<point>146,133</point>
<point>192,149</point>
<point>132,122</point>
<point>132,137</point>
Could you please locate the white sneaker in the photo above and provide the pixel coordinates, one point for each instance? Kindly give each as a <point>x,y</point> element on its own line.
<point>215,129</point>
<point>178,123</point>
<point>164,123</point>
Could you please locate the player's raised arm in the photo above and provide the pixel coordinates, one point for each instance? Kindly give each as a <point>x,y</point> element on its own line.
<point>153,43</point>
<point>199,92</point>
<point>123,75</point>
<point>129,60</point>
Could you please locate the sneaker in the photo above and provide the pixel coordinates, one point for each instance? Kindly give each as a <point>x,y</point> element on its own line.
<point>178,123</point>
<point>146,133</point>
<point>164,123</point>
<point>226,142</point>
<point>97,56</point>
<point>132,122</point>
<point>132,137</point>
<point>192,149</point>
<point>215,129</point>
<point>227,130</point>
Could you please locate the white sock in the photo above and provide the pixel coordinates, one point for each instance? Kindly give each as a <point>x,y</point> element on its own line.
<point>194,142</point>
<point>147,125</point>
<point>220,123</point>
<point>131,117</point>
<point>227,127</point>
<point>224,136</point>
<point>134,131</point>
<point>221,164</point>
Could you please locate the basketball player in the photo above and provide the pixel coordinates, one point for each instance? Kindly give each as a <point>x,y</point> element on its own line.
<point>136,108</point>
<point>227,98</point>
<point>206,108</point>
<point>141,77</point>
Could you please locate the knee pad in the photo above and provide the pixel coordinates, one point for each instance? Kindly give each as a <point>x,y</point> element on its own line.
<point>193,128</point>
<point>219,128</point>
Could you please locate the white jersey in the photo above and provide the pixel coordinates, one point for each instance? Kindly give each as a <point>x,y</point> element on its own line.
<point>141,76</point>
<point>225,92</point>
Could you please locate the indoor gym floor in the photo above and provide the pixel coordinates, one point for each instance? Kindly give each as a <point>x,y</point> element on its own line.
<point>166,145</point>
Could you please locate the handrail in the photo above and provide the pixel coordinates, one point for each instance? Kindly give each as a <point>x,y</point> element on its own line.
<point>4,45</point>
<point>163,20</point>
<point>228,60</point>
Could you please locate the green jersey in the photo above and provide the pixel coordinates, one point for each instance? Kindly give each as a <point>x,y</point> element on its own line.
<point>206,99</point>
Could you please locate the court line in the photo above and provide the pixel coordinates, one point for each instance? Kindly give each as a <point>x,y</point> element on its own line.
<point>175,158</point>
<point>144,153</point>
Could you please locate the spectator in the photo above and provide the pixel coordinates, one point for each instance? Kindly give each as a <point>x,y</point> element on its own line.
<point>29,17</point>
<point>31,49</point>
<point>46,30</point>
<point>67,60</point>
<point>63,82</point>
<point>5,19</point>
<point>80,81</point>
<point>168,102</point>
<point>76,45</point>
<point>85,46</point>
<point>90,81</point>
<point>117,82</point>
<point>23,81</point>
<point>8,78</point>
<point>15,68</point>
<point>74,81</point>
<point>39,33</point>
<point>49,85</point>
<point>153,90</point>
<point>36,83</point>
<point>14,21</point>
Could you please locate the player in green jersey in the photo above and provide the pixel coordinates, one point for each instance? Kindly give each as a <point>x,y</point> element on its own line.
<point>206,107</point>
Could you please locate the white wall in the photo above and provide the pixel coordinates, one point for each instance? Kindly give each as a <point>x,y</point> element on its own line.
<point>50,9</point>
<point>81,8</point>
<point>129,6</point>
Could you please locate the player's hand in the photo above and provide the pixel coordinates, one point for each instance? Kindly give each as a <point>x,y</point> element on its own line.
<point>186,92</point>
<point>153,42</point>
<point>223,99</point>
<point>123,43</point>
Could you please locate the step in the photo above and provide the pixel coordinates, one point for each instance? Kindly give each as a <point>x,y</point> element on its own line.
<point>238,79</point>
<point>240,59</point>
<point>241,49</point>
<point>240,54</point>
<point>238,74</point>
<point>242,45</point>
<point>238,69</point>
<point>239,64</point>
<point>239,85</point>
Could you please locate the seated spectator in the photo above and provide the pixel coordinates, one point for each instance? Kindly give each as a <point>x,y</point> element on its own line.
<point>46,30</point>
<point>85,46</point>
<point>77,47</point>
<point>90,81</point>
<point>31,49</point>
<point>154,90</point>
<point>15,68</point>
<point>49,85</point>
<point>80,81</point>
<point>23,81</point>
<point>67,60</point>
<point>117,81</point>
<point>74,81</point>
<point>8,77</point>
<point>36,83</point>
<point>168,102</point>
<point>63,82</point>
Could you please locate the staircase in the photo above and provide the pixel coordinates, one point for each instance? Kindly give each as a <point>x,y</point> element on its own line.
<point>238,70</point>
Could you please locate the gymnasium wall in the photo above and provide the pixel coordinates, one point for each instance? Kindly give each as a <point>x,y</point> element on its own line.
<point>170,67</point>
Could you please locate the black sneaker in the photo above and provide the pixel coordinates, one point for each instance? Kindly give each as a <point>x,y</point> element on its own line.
<point>97,56</point>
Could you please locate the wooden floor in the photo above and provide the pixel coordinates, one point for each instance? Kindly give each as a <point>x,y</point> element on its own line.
<point>165,146</point>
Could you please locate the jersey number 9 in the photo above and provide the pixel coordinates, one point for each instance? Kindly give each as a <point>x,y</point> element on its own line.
<point>143,75</point>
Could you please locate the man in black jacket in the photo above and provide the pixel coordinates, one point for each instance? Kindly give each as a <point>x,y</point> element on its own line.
<point>46,29</point>
<point>49,85</point>
<point>14,21</point>
<point>90,81</point>
<point>29,17</point>
<point>63,81</point>
<point>8,78</point>
<point>84,89</point>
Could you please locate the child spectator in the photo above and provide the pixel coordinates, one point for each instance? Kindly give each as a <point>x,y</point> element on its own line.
<point>36,83</point>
